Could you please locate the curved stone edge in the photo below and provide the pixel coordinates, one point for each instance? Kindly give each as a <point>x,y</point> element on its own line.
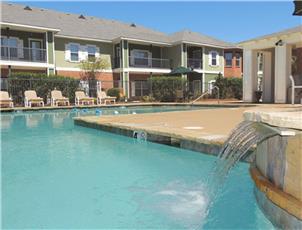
<point>282,118</point>
<point>287,203</point>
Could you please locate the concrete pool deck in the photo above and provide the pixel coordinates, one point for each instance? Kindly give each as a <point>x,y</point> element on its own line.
<point>202,130</point>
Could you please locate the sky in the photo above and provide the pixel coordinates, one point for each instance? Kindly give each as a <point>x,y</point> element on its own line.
<point>229,21</point>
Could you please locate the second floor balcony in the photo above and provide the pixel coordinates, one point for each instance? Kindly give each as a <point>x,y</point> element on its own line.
<point>25,54</point>
<point>144,62</point>
<point>194,63</point>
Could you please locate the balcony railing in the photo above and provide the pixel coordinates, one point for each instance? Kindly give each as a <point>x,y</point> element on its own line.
<point>23,54</point>
<point>139,62</point>
<point>195,63</point>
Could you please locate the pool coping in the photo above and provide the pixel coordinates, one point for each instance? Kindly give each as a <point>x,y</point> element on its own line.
<point>223,105</point>
<point>201,145</point>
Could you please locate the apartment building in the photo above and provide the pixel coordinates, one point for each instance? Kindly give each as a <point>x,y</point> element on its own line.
<point>42,40</point>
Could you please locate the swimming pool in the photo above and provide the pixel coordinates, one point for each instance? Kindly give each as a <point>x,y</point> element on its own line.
<point>57,175</point>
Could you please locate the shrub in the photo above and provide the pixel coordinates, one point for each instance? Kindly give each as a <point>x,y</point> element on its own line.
<point>165,88</point>
<point>229,87</point>
<point>114,92</point>
<point>42,84</point>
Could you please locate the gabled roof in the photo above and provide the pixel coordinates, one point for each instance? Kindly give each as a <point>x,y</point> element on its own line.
<point>82,26</point>
<point>277,34</point>
<point>193,37</point>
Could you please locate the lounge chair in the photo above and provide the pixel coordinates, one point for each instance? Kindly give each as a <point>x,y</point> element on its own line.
<point>81,98</point>
<point>32,98</point>
<point>102,97</point>
<point>57,98</point>
<point>5,99</point>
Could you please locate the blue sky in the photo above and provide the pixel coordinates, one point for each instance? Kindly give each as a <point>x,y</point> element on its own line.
<point>229,21</point>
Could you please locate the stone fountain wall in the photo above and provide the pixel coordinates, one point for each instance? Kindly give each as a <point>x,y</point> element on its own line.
<point>277,170</point>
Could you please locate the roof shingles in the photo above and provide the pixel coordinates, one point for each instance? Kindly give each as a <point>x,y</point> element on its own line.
<point>97,28</point>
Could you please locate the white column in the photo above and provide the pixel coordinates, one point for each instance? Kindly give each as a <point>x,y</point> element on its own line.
<point>249,75</point>
<point>267,95</point>
<point>282,72</point>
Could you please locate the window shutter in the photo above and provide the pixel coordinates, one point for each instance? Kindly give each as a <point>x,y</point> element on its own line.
<point>217,58</point>
<point>20,52</point>
<point>67,52</point>
<point>83,53</point>
<point>210,58</point>
<point>97,52</point>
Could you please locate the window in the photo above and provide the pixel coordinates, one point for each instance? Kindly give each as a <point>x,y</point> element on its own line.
<point>140,58</point>
<point>91,52</point>
<point>74,52</point>
<point>238,59</point>
<point>9,47</point>
<point>214,58</point>
<point>228,59</point>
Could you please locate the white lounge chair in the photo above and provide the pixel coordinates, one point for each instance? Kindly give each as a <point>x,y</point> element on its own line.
<point>81,98</point>
<point>5,99</point>
<point>32,98</point>
<point>57,98</point>
<point>293,88</point>
<point>102,97</point>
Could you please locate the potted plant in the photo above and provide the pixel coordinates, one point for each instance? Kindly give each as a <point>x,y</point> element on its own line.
<point>258,95</point>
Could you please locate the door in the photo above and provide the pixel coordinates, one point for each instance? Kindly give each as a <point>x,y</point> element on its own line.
<point>36,52</point>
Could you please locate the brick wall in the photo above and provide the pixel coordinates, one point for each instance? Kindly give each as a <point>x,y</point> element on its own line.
<point>4,71</point>
<point>233,71</point>
<point>106,78</point>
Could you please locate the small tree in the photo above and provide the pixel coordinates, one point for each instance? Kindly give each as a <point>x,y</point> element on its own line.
<point>90,68</point>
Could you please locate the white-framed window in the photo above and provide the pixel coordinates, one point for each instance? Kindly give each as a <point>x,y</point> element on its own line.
<point>238,59</point>
<point>228,59</point>
<point>74,52</point>
<point>91,51</point>
<point>213,58</point>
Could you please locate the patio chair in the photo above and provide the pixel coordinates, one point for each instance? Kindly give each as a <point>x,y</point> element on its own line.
<point>57,98</point>
<point>5,99</point>
<point>81,98</point>
<point>102,97</point>
<point>293,88</point>
<point>32,98</point>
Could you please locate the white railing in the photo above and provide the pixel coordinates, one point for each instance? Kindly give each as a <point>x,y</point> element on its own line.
<point>23,54</point>
<point>149,62</point>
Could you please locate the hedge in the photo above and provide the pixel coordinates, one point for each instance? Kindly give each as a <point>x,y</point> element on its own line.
<point>229,87</point>
<point>42,84</point>
<point>165,88</point>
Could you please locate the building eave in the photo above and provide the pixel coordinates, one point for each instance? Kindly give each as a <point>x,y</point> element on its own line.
<point>28,27</point>
<point>82,38</point>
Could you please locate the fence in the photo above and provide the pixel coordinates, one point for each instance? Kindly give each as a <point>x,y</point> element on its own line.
<point>138,90</point>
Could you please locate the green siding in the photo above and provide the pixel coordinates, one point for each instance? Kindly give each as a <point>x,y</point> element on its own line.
<point>106,51</point>
<point>207,67</point>
<point>125,54</point>
<point>184,55</point>
<point>174,54</point>
<point>50,44</point>
<point>207,78</point>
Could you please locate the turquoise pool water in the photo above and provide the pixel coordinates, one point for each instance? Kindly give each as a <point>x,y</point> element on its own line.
<point>57,175</point>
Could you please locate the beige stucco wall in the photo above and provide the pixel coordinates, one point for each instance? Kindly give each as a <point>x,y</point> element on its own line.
<point>106,51</point>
